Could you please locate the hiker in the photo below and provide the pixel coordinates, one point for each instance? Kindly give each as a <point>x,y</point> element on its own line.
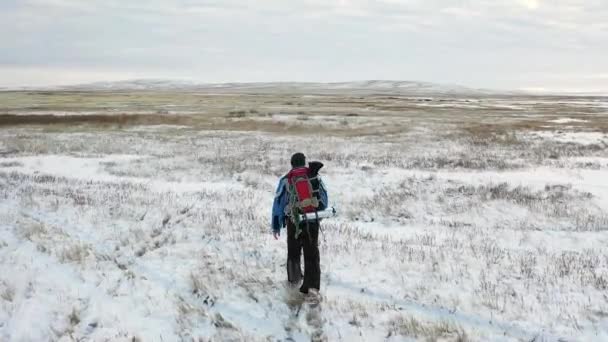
<point>300,191</point>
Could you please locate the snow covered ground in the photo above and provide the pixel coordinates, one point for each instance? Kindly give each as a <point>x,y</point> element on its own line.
<point>446,232</point>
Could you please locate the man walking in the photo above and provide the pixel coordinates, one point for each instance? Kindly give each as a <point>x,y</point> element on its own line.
<point>300,194</point>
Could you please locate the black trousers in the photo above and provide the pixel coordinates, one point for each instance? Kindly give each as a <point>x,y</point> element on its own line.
<point>308,240</point>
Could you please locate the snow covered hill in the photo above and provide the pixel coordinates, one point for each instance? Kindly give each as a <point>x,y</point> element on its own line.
<point>370,86</point>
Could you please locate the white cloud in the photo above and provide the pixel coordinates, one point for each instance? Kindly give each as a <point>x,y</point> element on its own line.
<point>530,4</point>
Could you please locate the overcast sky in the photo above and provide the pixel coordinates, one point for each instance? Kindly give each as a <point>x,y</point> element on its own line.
<point>503,44</point>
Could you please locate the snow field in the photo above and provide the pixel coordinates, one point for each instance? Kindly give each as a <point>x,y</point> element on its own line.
<point>153,235</point>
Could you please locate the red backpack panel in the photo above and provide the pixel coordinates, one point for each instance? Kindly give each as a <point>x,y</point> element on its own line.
<point>301,192</point>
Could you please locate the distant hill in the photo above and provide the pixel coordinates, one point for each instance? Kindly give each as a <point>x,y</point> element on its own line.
<point>357,87</point>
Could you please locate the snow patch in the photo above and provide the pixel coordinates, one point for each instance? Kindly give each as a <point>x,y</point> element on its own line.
<point>92,169</point>
<point>583,138</point>
<point>567,120</point>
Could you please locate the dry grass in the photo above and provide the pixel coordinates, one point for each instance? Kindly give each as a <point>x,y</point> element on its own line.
<point>197,283</point>
<point>504,128</point>
<point>491,130</point>
<point>33,231</point>
<point>76,253</point>
<point>427,331</point>
<point>11,164</point>
<point>8,293</point>
<point>236,121</point>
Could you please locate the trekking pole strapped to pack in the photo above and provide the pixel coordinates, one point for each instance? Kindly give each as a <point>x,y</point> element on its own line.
<point>327,213</point>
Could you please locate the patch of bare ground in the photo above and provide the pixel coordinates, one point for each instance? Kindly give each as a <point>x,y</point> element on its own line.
<point>96,119</point>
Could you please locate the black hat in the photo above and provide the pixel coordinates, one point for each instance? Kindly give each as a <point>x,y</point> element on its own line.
<point>298,160</point>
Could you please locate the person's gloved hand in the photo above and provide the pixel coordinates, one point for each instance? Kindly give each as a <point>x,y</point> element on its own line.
<point>276,234</point>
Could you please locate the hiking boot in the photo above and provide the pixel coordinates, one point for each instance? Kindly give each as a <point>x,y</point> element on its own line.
<point>313,297</point>
<point>309,291</point>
